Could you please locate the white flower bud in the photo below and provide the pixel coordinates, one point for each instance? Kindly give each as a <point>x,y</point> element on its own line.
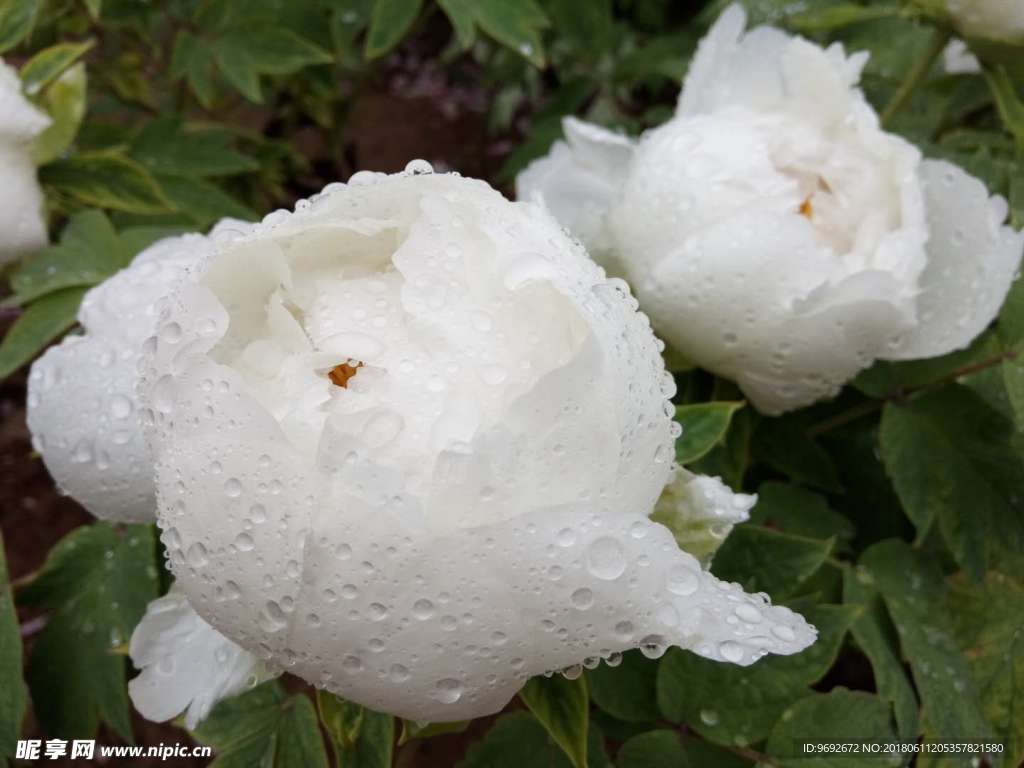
<point>1001,20</point>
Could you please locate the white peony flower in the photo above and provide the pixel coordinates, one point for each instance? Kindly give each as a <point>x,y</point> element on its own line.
<point>406,442</point>
<point>22,226</point>
<point>82,403</point>
<point>1001,20</point>
<point>774,233</point>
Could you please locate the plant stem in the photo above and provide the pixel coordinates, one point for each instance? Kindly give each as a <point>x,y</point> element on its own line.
<point>870,406</point>
<point>917,73</point>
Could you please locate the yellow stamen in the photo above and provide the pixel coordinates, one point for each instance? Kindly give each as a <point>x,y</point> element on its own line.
<point>806,209</point>
<point>342,374</point>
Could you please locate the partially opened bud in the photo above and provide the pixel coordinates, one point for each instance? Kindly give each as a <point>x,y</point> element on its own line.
<point>407,440</point>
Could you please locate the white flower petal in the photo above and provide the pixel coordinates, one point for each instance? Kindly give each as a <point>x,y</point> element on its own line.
<point>470,508</point>
<point>22,224</point>
<point>957,59</point>
<point>972,260</point>
<point>83,409</point>
<point>993,19</point>
<point>578,181</point>
<point>186,665</point>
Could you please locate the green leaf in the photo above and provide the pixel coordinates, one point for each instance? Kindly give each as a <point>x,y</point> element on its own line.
<point>665,749</point>
<point>89,251</point>
<point>874,633</point>
<point>837,716</point>
<point>106,180</point>
<point>462,19</point>
<point>360,737</point>
<point>843,15</point>
<point>562,707</point>
<point>704,426</point>
<point>41,323</point>
<point>411,730</point>
<point>987,620</point>
<point>274,50</point>
<point>517,740</point>
<point>64,102</point>
<point>390,20</point>
<point>235,61</point>
<point>795,510</point>
<point>763,560</point>
<point>17,17</point>
<point>952,459</point>
<point>587,25</point>
<point>911,585</point>
<point>784,445</point>
<point>193,60</point>
<point>49,64</point>
<point>264,727</point>
<point>167,146</point>
<point>1009,102</point>
<point>342,719</point>
<point>96,583</point>
<point>513,23</point>
<point>202,201</point>
<point>628,691</point>
<point>12,693</point>
<point>733,705</point>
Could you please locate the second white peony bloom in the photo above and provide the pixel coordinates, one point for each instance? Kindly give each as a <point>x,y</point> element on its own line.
<point>773,231</point>
<point>22,225</point>
<point>1001,20</point>
<point>407,441</point>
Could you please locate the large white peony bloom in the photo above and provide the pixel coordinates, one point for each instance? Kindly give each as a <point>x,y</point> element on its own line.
<point>773,232</point>
<point>82,402</point>
<point>406,441</point>
<point>993,19</point>
<point>22,227</point>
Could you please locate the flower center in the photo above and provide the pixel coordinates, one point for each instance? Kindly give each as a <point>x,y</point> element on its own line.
<point>341,374</point>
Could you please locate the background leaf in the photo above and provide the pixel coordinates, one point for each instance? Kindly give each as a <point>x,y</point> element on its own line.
<point>12,693</point>
<point>562,707</point>
<point>95,585</point>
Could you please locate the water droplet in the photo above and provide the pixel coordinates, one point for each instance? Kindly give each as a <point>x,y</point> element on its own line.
<point>582,598</point>
<point>447,691</point>
<point>605,558</point>
<point>423,609</point>
<point>682,581</point>
<point>731,651</point>
<point>120,407</point>
<point>232,488</point>
<point>196,555</point>
<point>244,542</point>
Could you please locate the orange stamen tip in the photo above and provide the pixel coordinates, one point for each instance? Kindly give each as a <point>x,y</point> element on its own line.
<point>342,374</point>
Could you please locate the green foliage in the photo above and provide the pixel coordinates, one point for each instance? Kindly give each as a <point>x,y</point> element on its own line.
<point>732,705</point>
<point>360,738</point>
<point>12,693</point>
<point>95,586</point>
<point>704,426</point>
<point>562,707</point>
<point>518,739</point>
<point>953,461</point>
<point>264,727</point>
<point>891,516</point>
